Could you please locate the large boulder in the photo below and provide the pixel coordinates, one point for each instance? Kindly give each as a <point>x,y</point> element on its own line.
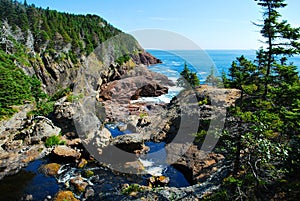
<point>195,164</point>
<point>129,142</point>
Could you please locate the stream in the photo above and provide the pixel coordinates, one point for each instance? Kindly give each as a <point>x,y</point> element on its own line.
<point>31,182</point>
<point>155,160</point>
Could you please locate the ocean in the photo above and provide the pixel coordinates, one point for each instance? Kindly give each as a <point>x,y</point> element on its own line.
<point>199,61</point>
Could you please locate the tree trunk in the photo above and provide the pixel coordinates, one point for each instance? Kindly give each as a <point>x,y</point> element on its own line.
<point>269,61</point>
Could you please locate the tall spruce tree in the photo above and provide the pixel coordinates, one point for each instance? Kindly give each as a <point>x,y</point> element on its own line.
<point>264,135</point>
<point>280,38</point>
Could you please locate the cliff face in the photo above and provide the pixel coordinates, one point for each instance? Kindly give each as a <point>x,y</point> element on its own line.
<point>59,75</point>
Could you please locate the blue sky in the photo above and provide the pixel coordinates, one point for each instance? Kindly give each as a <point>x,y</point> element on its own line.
<point>211,24</point>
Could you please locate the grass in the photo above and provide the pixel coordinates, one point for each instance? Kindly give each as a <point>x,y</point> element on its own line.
<point>54,140</point>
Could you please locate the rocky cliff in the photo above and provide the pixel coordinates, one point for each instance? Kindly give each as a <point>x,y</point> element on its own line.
<point>54,46</point>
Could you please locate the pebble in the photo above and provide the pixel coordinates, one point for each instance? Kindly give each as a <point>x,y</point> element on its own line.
<point>29,197</point>
<point>89,193</point>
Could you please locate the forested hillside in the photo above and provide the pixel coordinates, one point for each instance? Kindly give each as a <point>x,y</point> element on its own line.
<point>52,30</point>
<point>42,47</point>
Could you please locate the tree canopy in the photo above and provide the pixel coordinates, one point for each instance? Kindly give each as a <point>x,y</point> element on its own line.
<point>188,79</point>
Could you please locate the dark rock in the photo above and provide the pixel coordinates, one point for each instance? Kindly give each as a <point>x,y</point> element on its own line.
<point>144,121</point>
<point>158,181</point>
<point>145,58</point>
<point>150,90</point>
<point>63,117</point>
<point>89,193</point>
<point>195,164</point>
<point>129,142</point>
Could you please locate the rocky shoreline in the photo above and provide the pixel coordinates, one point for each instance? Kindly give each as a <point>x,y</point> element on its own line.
<point>23,138</point>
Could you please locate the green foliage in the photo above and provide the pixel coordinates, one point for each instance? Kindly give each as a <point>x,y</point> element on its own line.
<point>89,173</point>
<point>281,39</point>
<point>188,79</point>
<point>74,98</point>
<point>53,141</point>
<point>61,93</point>
<point>44,108</point>
<point>132,188</point>
<point>123,59</point>
<point>205,101</point>
<point>16,86</point>
<point>243,76</point>
<point>200,136</point>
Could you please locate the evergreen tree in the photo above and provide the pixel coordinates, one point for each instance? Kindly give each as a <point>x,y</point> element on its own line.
<point>242,76</point>
<point>188,79</point>
<point>264,136</point>
<point>281,38</point>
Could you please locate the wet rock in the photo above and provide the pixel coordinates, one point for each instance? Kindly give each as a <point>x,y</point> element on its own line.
<point>28,198</point>
<point>129,142</point>
<point>122,127</point>
<point>89,193</point>
<point>66,152</point>
<point>12,162</point>
<point>65,195</point>
<point>195,164</point>
<point>135,166</point>
<point>50,169</point>
<point>79,184</point>
<point>158,181</point>
<point>132,189</point>
<point>88,173</point>
<point>83,162</point>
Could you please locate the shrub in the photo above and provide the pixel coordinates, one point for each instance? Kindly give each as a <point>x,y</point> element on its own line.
<point>131,189</point>
<point>54,140</point>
